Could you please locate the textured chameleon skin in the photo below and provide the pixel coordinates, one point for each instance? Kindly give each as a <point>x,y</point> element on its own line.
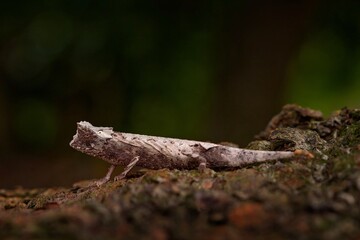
<point>159,152</point>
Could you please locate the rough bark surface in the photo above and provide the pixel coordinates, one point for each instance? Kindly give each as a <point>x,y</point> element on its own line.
<point>315,198</point>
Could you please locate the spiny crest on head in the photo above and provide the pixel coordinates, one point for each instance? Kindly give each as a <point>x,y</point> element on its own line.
<point>102,132</point>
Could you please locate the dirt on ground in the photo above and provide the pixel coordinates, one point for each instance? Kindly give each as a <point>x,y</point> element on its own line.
<point>299,198</point>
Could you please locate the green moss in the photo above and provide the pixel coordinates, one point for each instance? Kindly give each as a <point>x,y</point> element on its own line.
<point>294,138</point>
<point>260,145</point>
<point>342,166</point>
<point>350,135</point>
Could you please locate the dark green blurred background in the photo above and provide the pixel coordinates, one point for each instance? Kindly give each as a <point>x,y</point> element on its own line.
<point>205,70</point>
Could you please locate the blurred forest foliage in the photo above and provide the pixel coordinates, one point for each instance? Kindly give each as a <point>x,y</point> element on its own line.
<point>206,70</point>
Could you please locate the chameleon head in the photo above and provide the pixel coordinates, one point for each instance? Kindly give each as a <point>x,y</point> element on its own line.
<point>89,138</point>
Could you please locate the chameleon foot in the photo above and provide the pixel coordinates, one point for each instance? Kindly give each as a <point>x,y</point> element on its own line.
<point>202,165</point>
<point>127,169</point>
<point>106,178</point>
<point>119,177</point>
<point>101,181</point>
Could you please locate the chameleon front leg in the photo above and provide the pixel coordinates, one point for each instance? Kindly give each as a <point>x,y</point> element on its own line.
<point>127,169</point>
<point>195,153</point>
<point>106,178</point>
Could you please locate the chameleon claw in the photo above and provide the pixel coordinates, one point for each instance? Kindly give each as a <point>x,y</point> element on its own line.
<point>119,177</point>
<point>101,181</point>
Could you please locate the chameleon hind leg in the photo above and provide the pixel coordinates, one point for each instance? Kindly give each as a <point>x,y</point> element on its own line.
<point>127,169</point>
<point>202,165</point>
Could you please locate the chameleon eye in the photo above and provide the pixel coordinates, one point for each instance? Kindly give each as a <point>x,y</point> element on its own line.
<point>103,134</point>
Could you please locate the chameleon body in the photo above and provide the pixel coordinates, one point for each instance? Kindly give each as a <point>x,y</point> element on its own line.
<point>126,149</point>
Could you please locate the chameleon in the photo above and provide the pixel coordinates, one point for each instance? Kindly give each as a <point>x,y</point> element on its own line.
<point>150,152</point>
